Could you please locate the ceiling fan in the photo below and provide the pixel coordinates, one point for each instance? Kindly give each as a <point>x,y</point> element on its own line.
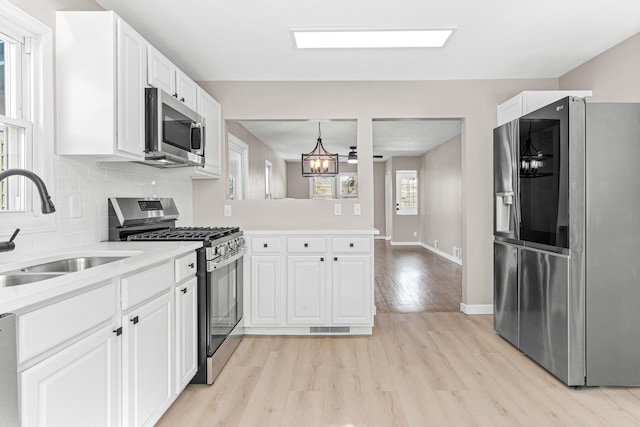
<point>352,157</point>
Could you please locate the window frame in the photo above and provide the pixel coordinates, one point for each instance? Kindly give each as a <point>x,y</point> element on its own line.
<point>406,210</point>
<point>37,109</point>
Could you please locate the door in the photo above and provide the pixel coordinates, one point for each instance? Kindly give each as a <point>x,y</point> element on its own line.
<point>132,73</point>
<point>543,335</point>
<point>266,290</point>
<point>505,291</point>
<point>76,387</point>
<point>306,290</point>
<point>162,73</point>
<point>147,360</point>
<point>352,300</point>
<point>186,332</point>
<point>187,90</point>
<point>506,213</point>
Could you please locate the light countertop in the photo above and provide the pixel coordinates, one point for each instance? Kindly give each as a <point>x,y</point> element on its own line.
<point>139,255</point>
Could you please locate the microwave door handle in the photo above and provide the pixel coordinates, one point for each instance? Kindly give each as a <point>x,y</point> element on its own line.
<point>197,140</point>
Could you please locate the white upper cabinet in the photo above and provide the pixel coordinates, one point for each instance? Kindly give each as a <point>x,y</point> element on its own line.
<point>164,75</point>
<point>100,107</point>
<point>210,109</point>
<point>528,101</point>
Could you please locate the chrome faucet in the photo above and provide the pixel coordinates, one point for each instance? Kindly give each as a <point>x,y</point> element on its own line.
<point>45,200</point>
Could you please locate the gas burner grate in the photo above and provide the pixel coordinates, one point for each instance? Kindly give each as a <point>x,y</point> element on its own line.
<point>187,233</point>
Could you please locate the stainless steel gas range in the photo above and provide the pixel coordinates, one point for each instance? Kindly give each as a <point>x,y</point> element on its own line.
<point>219,272</point>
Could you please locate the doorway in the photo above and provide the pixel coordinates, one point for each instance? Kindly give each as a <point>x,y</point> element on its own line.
<point>418,257</point>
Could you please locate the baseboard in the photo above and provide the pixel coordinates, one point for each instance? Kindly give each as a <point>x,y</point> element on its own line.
<point>387,238</point>
<point>442,254</point>
<point>381,238</point>
<point>405,243</point>
<point>476,308</point>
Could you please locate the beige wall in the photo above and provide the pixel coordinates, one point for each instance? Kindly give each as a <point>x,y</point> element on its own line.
<point>614,76</point>
<point>441,205</point>
<point>378,198</point>
<point>258,153</point>
<point>405,226</point>
<point>473,101</point>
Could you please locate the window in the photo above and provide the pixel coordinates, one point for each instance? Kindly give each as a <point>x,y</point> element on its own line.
<point>268,179</point>
<point>322,188</point>
<point>238,168</point>
<point>26,117</point>
<point>407,192</point>
<point>342,186</point>
<point>15,124</point>
<point>348,185</point>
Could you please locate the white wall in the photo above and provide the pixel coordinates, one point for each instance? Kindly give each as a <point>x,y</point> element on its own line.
<point>441,204</point>
<point>93,184</point>
<point>379,213</point>
<point>614,75</point>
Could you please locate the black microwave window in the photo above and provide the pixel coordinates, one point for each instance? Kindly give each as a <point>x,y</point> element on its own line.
<point>176,128</point>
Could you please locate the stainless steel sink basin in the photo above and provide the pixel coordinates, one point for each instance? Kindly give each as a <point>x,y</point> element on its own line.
<point>71,265</point>
<point>16,279</point>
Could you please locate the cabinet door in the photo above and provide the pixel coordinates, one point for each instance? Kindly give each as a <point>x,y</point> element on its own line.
<point>147,361</point>
<point>510,110</point>
<point>78,386</point>
<point>266,290</point>
<point>187,90</point>
<point>162,72</point>
<point>209,108</point>
<point>306,290</point>
<point>132,70</point>
<point>352,290</point>
<point>186,332</point>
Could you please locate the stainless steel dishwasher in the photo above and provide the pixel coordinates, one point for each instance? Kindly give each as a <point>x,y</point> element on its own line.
<point>8,371</point>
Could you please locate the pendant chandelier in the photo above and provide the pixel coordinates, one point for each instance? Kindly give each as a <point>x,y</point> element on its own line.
<point>532,159</point>
<point>319,162</point>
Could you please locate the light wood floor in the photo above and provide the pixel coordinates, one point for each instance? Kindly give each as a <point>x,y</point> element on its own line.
<point>414,279</point>
<point>417,369</point>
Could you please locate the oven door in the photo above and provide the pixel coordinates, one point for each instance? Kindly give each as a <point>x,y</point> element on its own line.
<point>225,302</point>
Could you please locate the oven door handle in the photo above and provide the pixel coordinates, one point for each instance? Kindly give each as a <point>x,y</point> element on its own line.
<point>214,265</point>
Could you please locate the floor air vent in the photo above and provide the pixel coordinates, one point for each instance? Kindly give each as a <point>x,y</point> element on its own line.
<point>329,329</point>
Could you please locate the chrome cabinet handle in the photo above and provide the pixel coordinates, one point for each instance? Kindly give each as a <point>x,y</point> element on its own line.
<point>191,265</point>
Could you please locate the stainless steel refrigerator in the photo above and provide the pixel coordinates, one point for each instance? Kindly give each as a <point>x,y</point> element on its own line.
<point>567,240</point>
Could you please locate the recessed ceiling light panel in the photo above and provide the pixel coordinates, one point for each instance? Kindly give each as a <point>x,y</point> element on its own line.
<point>336,38</point>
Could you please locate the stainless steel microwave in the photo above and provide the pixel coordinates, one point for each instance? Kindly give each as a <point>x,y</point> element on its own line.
<point>174,133</point>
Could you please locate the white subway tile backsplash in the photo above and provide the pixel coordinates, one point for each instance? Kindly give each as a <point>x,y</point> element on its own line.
<point>94,183</point>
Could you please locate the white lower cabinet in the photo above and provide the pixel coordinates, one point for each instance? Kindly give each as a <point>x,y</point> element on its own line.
<point>79,386</point>
<point>186,296</point>
<point>93,359</point>
<point>351,289</point>
<point>147,361</point>
<point>306,290</point>
<point>266,290</point>
<point>326,285</point>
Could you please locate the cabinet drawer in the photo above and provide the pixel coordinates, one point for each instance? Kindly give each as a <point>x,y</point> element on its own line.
<point>351,244</point>
<point>266,244</point>
<point>306,244</point>
<point>49,326</point>
<point>185,266</point>
<point>145,284</point>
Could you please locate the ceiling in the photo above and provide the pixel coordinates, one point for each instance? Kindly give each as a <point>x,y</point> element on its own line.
<point>244,40</point>
<point>495,39</point>
<point>290,138</point>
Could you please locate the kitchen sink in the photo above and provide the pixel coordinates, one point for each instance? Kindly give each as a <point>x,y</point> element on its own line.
<point>71,265</point>
<point>15,279</point>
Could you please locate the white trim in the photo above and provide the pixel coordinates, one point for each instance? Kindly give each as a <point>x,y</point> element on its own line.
<point>442,254</point>
<point>476,308</point>
<point>382,237</point>
<point>405,243</point>
<point>387,238</point>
